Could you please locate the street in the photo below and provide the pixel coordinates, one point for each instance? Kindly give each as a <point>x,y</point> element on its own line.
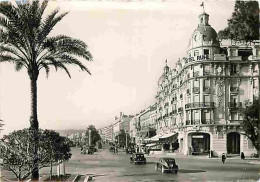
<point>107,166</point>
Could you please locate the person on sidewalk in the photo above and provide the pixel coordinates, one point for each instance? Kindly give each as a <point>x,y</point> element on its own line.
<point>242,155</point>
<point>223,158</point>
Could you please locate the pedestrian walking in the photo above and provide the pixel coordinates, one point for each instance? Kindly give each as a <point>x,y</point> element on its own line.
<point>242,155</point>
<point>223,158</point>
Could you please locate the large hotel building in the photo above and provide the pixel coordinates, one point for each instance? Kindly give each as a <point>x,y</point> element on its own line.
<point>199,101</point>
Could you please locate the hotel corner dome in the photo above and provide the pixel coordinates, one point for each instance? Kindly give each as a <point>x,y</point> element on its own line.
<point>204,33</point>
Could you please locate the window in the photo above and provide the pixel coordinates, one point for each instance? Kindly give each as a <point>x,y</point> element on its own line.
<point>196,53</point>
<point>234,116</point>
<point>206,98</point>
<point>255,83</point>
<point>196,98</point>
<point>206,83</point>
<point>255,68</point>
<point>206,69</point>
<point>233,69</point>
<point>233,52</point>
<point>196,83</point>
<point>206,51</point>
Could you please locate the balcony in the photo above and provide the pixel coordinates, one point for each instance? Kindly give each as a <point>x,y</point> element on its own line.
<point>234,89</point>
<point>188,122</point>
<point>206,72</point>
<point>180,109</point>
<point>165,116</point>
<point>206,90</point>
<point>207,121</point>
<point>235,121</point>
<point>195,74</point>
<point>174,111</point>
<point>196,90</point>
<point>234,105</point>
<point>196,121</point>
<point>188,91</point>
<point>199,105</point>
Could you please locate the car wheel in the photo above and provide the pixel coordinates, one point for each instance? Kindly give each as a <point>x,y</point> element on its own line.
<point>163,169</point>
<point>156,167</point>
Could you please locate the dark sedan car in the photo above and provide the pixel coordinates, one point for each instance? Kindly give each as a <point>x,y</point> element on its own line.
<point>138,158</point>
<point>167,164</point>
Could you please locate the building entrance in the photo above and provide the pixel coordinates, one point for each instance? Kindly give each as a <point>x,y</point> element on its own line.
<point>233,143</point>
<point>200,143</point>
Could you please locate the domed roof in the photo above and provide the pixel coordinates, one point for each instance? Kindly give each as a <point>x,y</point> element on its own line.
<point>203,33</point>
<point>208,33</point>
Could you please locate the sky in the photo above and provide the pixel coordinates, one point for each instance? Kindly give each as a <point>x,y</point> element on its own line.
<point>129,41</point>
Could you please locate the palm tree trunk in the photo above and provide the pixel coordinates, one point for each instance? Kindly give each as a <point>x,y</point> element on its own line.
<point>34,127</point>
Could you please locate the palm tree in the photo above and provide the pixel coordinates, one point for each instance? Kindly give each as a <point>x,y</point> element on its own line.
<point>25,42</point>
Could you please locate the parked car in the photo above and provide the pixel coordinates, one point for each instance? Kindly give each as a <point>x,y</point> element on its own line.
<point>130,150</point>
<point>111,149</point>
<point>167,164</point>
<point>92,149</point>
<point>138,158</point>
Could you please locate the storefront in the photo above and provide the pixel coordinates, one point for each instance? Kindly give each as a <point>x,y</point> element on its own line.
<point>200,143</point>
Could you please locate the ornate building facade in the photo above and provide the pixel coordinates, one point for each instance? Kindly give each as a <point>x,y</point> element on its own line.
<point>202,97</point>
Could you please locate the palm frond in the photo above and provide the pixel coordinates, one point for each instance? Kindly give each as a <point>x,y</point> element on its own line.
<point>67,59</point>
<point>18,65</point>
<point>65,69</point>
<point>46,67</point>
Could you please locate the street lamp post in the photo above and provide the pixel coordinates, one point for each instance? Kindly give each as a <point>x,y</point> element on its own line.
<point>89,138</point>
<point>126,140</point>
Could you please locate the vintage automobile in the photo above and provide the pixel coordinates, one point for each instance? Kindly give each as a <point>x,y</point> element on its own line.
<point>130,151</point>
<point>167,164</point>
<point>111,149</point>
<point>92,149</point>
<point>138,158</point>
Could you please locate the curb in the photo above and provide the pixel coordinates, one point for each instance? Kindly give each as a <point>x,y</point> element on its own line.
<point>75,178</point>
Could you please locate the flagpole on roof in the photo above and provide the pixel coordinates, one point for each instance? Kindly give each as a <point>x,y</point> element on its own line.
<point>202,4</point>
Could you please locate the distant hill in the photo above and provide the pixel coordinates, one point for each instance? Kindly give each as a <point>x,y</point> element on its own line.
<point>69,132</point>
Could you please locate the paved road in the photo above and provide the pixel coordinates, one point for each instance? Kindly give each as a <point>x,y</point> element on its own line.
<point>107,166</point>
<point>116,167</point>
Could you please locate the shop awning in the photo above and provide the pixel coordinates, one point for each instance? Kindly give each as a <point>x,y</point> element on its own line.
<point>150,144</point>
<point>155,138</point>
<point>168,135</point>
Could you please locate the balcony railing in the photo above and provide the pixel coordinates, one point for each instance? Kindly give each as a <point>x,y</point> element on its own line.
<point>165,116</point>
<point>235,121</point>
<point>207,121</point>
<point>195,74</point>
<point>199,105</point>
<point>234,89</point>
<point>196,89</point>
<point>188,122</point>
<point>180,109</point>
<point>206,72</point>
<point>206,90</point>
<point>235,104</point>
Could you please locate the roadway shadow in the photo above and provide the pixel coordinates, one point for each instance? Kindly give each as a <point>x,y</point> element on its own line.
<point>191,171</point>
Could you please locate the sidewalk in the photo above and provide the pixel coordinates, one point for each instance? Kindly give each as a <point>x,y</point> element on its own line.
<point>177,155</point>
